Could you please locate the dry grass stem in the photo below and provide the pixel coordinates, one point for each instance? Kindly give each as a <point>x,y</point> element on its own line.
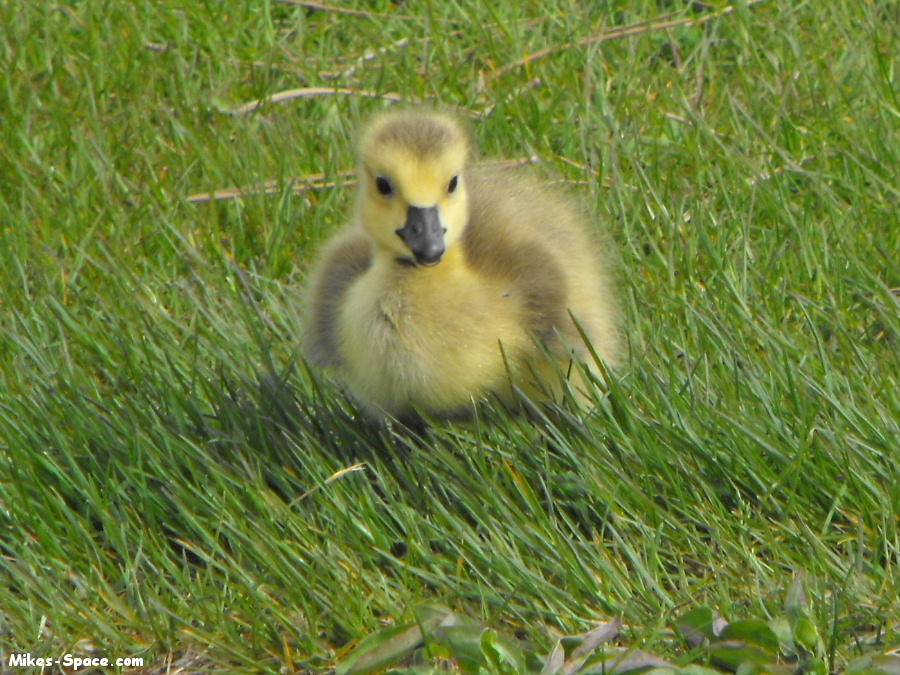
<point>659,23</point>
<point>315,181</point>
<point>308,92</point>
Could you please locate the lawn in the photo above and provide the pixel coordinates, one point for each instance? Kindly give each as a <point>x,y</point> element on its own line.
<point>177,485</point>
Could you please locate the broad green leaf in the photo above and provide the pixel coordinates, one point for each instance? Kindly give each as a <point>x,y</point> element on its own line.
<point>806,635</point>
<point>731,654</point>
<point>391,645</point>
<point>875,664</point>
<point>502,654</point>
<point>803,630</point>
<point>796,605</point>
<point>463,642</point>
<point>381,650</point>
<point>696,625</point>
<point>782,629</point>
<point>754,668</point>
<point>753,632</point>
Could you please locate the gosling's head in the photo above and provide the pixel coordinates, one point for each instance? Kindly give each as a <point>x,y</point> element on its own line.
<point>412,191</point>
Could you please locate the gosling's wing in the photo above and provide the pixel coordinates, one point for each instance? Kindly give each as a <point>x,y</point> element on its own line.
<point>557,261</point>
<point>503,240</point>
<point>346,257</point>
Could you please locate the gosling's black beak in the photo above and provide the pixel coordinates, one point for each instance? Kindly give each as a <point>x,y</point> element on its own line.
<point>424,235</point>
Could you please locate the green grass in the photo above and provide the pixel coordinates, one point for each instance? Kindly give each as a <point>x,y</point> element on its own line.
<point>165,454</point>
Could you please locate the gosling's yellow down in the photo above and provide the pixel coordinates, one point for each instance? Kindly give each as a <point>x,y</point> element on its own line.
<point>454,282</point>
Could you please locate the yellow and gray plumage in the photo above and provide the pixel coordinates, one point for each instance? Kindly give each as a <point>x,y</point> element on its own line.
<point>451,275</point>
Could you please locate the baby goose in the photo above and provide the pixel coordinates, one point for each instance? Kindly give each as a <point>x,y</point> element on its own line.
<point>454,282</point>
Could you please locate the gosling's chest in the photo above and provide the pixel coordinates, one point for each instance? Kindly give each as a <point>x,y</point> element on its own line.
<point>430,344</point>
<point>431,316</point>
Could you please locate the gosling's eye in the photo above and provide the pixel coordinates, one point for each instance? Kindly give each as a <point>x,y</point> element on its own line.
<point>451,188</point>
<point>384,186</point>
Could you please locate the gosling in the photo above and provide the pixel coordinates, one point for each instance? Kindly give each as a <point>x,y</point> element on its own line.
<point>455,283</point>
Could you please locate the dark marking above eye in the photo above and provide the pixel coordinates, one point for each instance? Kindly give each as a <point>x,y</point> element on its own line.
<point>451,188</point>
<point>384,186</point>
